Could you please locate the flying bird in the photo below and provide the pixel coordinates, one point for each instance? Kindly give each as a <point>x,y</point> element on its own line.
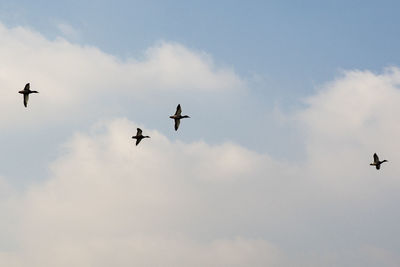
<point>26,93</point>
<point>177,117</point>
<point>376,162</point>
<point>139,136</point>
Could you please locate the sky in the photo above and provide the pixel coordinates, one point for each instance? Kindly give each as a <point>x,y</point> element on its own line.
<point>288,102</point>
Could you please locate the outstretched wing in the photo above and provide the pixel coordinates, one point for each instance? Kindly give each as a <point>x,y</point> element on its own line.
<point>177,122</point>
<point>26,98</point>
<point>138,140</point>
<point>27,86</point>
<point>139,132</point>
<point>376,158</point>
<point>178,110</point>
<point>378,166</point>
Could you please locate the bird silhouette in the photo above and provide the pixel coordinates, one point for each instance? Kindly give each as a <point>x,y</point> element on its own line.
<point>376,162</point>
<point>139,136</point>
<point>177,117</point>
<point>26,93</point>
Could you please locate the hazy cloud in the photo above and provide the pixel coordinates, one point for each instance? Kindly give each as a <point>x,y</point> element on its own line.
<point>68,31</point>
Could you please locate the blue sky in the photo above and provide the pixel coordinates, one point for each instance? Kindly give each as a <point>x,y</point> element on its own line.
<point>288,102</point>
<point>292,44</point>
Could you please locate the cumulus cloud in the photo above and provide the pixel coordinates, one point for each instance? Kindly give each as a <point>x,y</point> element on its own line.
<point>161,203</point>
<point>71,76</point>
<point>170,203</point>
<point>350,119</point>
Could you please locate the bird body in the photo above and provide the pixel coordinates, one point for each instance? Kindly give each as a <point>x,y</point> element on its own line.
<point>26,93</point>
<point>377,163</point>
<point>177,116</point>
<point>139,136</point>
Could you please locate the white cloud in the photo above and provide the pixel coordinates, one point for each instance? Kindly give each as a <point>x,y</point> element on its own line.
<point>164,203</point>
<point>349,120</point>
<point>74,79</point>
<point>109,202</point>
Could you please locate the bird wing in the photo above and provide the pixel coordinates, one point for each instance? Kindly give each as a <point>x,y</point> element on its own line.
<point>177,122</point>
<point>26,98</point>
<point>178,110</point>
<point>138,140</point>
<point>139,132</point>
<point>27,86</point>
<point>376,158</point>
<point>378,166</point>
